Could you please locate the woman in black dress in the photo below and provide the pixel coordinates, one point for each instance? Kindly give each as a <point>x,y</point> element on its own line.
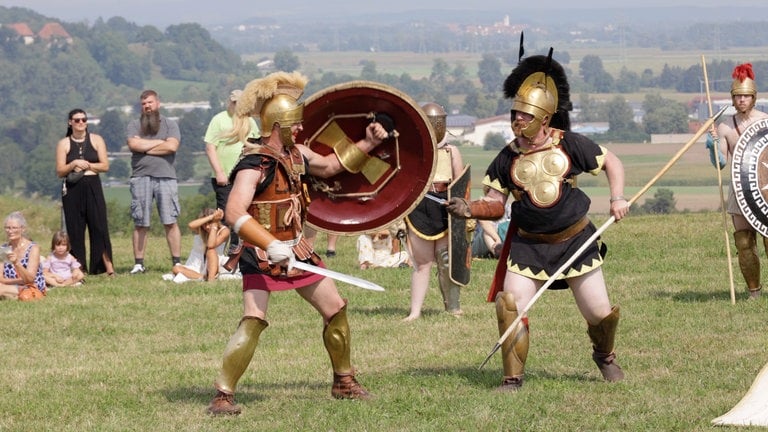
<point>80,157</point>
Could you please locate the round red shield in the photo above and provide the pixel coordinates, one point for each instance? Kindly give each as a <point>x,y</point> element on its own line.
<point>398,171</point>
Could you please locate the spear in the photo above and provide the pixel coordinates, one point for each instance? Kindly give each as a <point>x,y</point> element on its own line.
<point>716,145</point>
<point>599,231</point>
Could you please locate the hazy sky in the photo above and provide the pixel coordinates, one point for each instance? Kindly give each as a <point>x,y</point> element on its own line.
<point>165,12</point>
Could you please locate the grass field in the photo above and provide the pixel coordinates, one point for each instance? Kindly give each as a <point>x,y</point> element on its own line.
<point>137,353</point>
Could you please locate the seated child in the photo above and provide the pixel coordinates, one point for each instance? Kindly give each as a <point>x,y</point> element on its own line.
<point>208,245</point>
<point>60,268</point>
<point>381,249</point>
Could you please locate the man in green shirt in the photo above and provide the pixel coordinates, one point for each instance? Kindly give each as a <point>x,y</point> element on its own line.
<point>223,154</point>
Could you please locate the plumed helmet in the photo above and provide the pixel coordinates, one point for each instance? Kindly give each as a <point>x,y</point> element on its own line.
<point>538,86</point>
<point>743,80</point>
<point>436,115</point>
<point>275,99</point>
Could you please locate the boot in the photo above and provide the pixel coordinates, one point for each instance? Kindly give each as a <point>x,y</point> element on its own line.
<point>603,336</point>
<point>449,289</point>
<point>749,263</point>
<point>337,339</point>
<point>223,404</point>
<point>514,349</point>
<point>237,356</point>
<point>347,387</point>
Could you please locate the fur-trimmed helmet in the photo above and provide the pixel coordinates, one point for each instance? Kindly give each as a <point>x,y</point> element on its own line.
<point>744,82</point>
<point>275,99</point>
<point>436,115</point>
<point>538,86</point>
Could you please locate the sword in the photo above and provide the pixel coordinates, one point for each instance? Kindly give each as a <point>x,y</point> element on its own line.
<point>352,280</point>
<point>436,199</point>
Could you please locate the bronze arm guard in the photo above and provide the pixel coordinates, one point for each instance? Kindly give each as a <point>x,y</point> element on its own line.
<point>350,156</point>
<point>253,232</point>
<point>478,209</point>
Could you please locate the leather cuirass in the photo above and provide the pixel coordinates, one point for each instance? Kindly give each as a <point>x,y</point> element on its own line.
<point>280,206</point>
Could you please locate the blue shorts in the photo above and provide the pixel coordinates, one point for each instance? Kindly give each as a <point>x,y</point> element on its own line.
<point>164,190</point>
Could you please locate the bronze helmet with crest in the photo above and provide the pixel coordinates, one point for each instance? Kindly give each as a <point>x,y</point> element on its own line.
<point>538,86</point>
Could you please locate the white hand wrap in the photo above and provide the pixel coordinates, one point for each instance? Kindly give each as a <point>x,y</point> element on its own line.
<point>278,252</point>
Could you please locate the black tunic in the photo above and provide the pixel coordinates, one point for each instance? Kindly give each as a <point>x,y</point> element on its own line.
<point>539,260</point>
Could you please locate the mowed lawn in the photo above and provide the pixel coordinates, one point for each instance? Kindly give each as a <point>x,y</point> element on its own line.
<point>137,353</point>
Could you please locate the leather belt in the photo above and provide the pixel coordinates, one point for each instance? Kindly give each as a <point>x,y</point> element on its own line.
<point>557,237</point>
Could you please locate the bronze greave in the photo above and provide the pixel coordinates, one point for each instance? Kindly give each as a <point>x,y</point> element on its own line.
<point>514,349</point>
<point>749,263</point>
<point>239,352</point>
<point>450,290</point>
<point>603,335</point>
<point>336,338</point>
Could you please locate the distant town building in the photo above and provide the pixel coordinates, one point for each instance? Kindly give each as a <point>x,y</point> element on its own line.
<point>590,128</point>
<point>498,124</point>
<point>458,125</point>
<point>498,28</point>
<point>266,65</point>
<point>702,111</point>
<point>474,131</point>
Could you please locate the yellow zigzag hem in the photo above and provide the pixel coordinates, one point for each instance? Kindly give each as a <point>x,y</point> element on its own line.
<point>542,275</point>
<point>422,235</point>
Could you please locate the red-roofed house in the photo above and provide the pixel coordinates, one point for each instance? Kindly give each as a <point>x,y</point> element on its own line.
<point>24,32</point>
<point>53,32</point>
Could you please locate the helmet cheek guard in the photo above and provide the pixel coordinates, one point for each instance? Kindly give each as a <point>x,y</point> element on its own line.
<point>286,112</point>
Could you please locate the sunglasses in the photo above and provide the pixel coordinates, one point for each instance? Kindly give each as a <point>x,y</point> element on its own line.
<point>79,120</point>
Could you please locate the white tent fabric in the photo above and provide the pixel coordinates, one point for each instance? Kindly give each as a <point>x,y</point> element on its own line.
<point>752,409</point>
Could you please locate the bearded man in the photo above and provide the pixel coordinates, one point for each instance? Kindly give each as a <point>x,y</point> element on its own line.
<point>153,140</point>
